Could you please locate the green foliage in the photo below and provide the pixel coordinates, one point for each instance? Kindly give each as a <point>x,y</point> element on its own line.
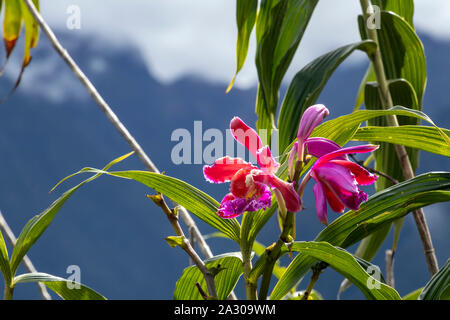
<point>424,138</point>
<point>245,20</point>
<point>17,14</point>
<point>413,295</point>
<point>38,224</point>
<point>66,289</point>
<point>404,64</point>
<point>193,199</point>
<point>344,263</point>
<point>438,288</point>
<point>279,28</point>
<point>380,209</point>
<point>4,260</point>
<point>307,85</point>
<point>230,266</point>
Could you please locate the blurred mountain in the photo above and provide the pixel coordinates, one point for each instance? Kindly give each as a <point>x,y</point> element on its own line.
<point>50,128</point>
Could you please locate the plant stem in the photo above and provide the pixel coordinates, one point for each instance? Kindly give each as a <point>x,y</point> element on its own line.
<point>389,259</point>
<point>312,282</point>
<point>316,271</point>
<point>273,253</point>
<point>187,247</point>
<point>8,292</point>
<point>408,172</point>
<point>250,286</point>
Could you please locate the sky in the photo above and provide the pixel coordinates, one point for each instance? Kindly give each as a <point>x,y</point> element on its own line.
<point>197,37</point>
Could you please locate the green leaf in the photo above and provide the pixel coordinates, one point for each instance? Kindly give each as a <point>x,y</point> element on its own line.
<point>31,37</point>
<point>344,263</point>
<point>66,289</point>
<point>4,260</point>
<point>225,280</point>
<point>405,68</point>
<point>307,85</point>
<point>413,295</point>
<point>404,8</point>
<point>191,198</point>
<point>12,24</point>
<point>31,31</point>
<point>380,209</point>
<point>253,222</point>
<point>343,128</point>
<point>279,29</point>
<point>368,77</point>
<point>425,138</point>
<point>402,52</point>
<point>245,19</point>
<point>38,224</point>
<point>174,241</point>
<point>438,287</point>
<point>367,250</point>
<point>386,159</point>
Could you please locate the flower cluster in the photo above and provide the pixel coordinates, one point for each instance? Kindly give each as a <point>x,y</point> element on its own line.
<point>337,179</point>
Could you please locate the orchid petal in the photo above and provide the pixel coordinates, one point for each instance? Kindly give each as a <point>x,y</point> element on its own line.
<point>362,176</point>
<point>318,147</point>
<point>321,203</point>
<point>344,151</point>
<point>232,206</point>
<point>224,169</point>
<point>266,161</point>
<point>290,196</point>
<point>341,181</point>
<point>311,119</point>
<point>246,136</point>
<point>291,160</point>
<point>241,183</point>
<point>333,200</point>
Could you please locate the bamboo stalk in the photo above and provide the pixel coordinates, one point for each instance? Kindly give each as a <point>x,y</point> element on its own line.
<point>408,172</point>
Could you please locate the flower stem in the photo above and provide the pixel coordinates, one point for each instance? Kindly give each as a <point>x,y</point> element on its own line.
<point>273,253</point>
<point>250,286</point>
<point>8,292</point>
<point>405,163</point>
<point>316,271</point>
<point>187,247</point>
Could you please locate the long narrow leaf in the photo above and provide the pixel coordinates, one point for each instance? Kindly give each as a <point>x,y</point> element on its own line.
<point>38,224</point>
<point>279,29</point>
<point>66,289</point>
<point>344,263</point>
<point>245,20</point>
<point>229,267</point>
<point>425,138</point>
<point>193,199</point>
<point>438,287</point>
<point>4,260</point>
<point>307,85</point>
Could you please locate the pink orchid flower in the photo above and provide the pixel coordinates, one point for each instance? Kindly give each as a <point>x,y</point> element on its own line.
<point>249,188</point>
<point>337,180</point>
<point>336,177</point>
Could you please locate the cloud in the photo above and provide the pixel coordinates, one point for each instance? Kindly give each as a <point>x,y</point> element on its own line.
<point>178,37</point>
